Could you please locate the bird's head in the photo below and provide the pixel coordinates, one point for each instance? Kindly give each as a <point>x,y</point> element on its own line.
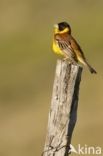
<point>62,27</point>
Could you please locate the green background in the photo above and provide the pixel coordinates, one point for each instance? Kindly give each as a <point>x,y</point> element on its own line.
<point>27,67</point>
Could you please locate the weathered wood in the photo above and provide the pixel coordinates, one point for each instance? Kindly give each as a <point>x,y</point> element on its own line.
<point>63,112</point>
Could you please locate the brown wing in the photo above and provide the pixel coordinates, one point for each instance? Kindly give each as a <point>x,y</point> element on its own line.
<point>76,47</point>
<point>65,45</point>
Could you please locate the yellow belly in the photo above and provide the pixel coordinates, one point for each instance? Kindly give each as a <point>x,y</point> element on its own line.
<point>56,49</point>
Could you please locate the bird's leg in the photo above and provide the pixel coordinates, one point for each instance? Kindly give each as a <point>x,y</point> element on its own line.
<point>65,58</point>
<point>74,62</point>
<point>70,61</point>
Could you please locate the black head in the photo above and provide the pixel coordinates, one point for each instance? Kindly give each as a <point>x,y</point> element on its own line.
<point>64,25</point>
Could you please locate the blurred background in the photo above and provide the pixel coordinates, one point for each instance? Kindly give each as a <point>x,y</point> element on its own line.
<point>27,67</point>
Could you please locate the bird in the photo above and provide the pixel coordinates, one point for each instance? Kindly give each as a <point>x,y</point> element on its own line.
<point>64,44</point>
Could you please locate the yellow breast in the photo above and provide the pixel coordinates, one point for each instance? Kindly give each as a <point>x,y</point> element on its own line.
<point>56,48</point>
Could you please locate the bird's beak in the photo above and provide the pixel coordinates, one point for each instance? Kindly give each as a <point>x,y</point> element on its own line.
<point>56,26</point>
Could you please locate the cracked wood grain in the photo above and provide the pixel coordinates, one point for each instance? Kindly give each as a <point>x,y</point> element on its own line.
<point>63,111</point>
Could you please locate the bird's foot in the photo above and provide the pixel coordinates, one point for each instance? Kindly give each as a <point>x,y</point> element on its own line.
<point>70,61</point>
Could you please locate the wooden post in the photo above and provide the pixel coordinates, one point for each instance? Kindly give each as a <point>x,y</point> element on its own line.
<point>63,111</point>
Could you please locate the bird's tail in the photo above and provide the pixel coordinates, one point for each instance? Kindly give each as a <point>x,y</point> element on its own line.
<point>91,69</point>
